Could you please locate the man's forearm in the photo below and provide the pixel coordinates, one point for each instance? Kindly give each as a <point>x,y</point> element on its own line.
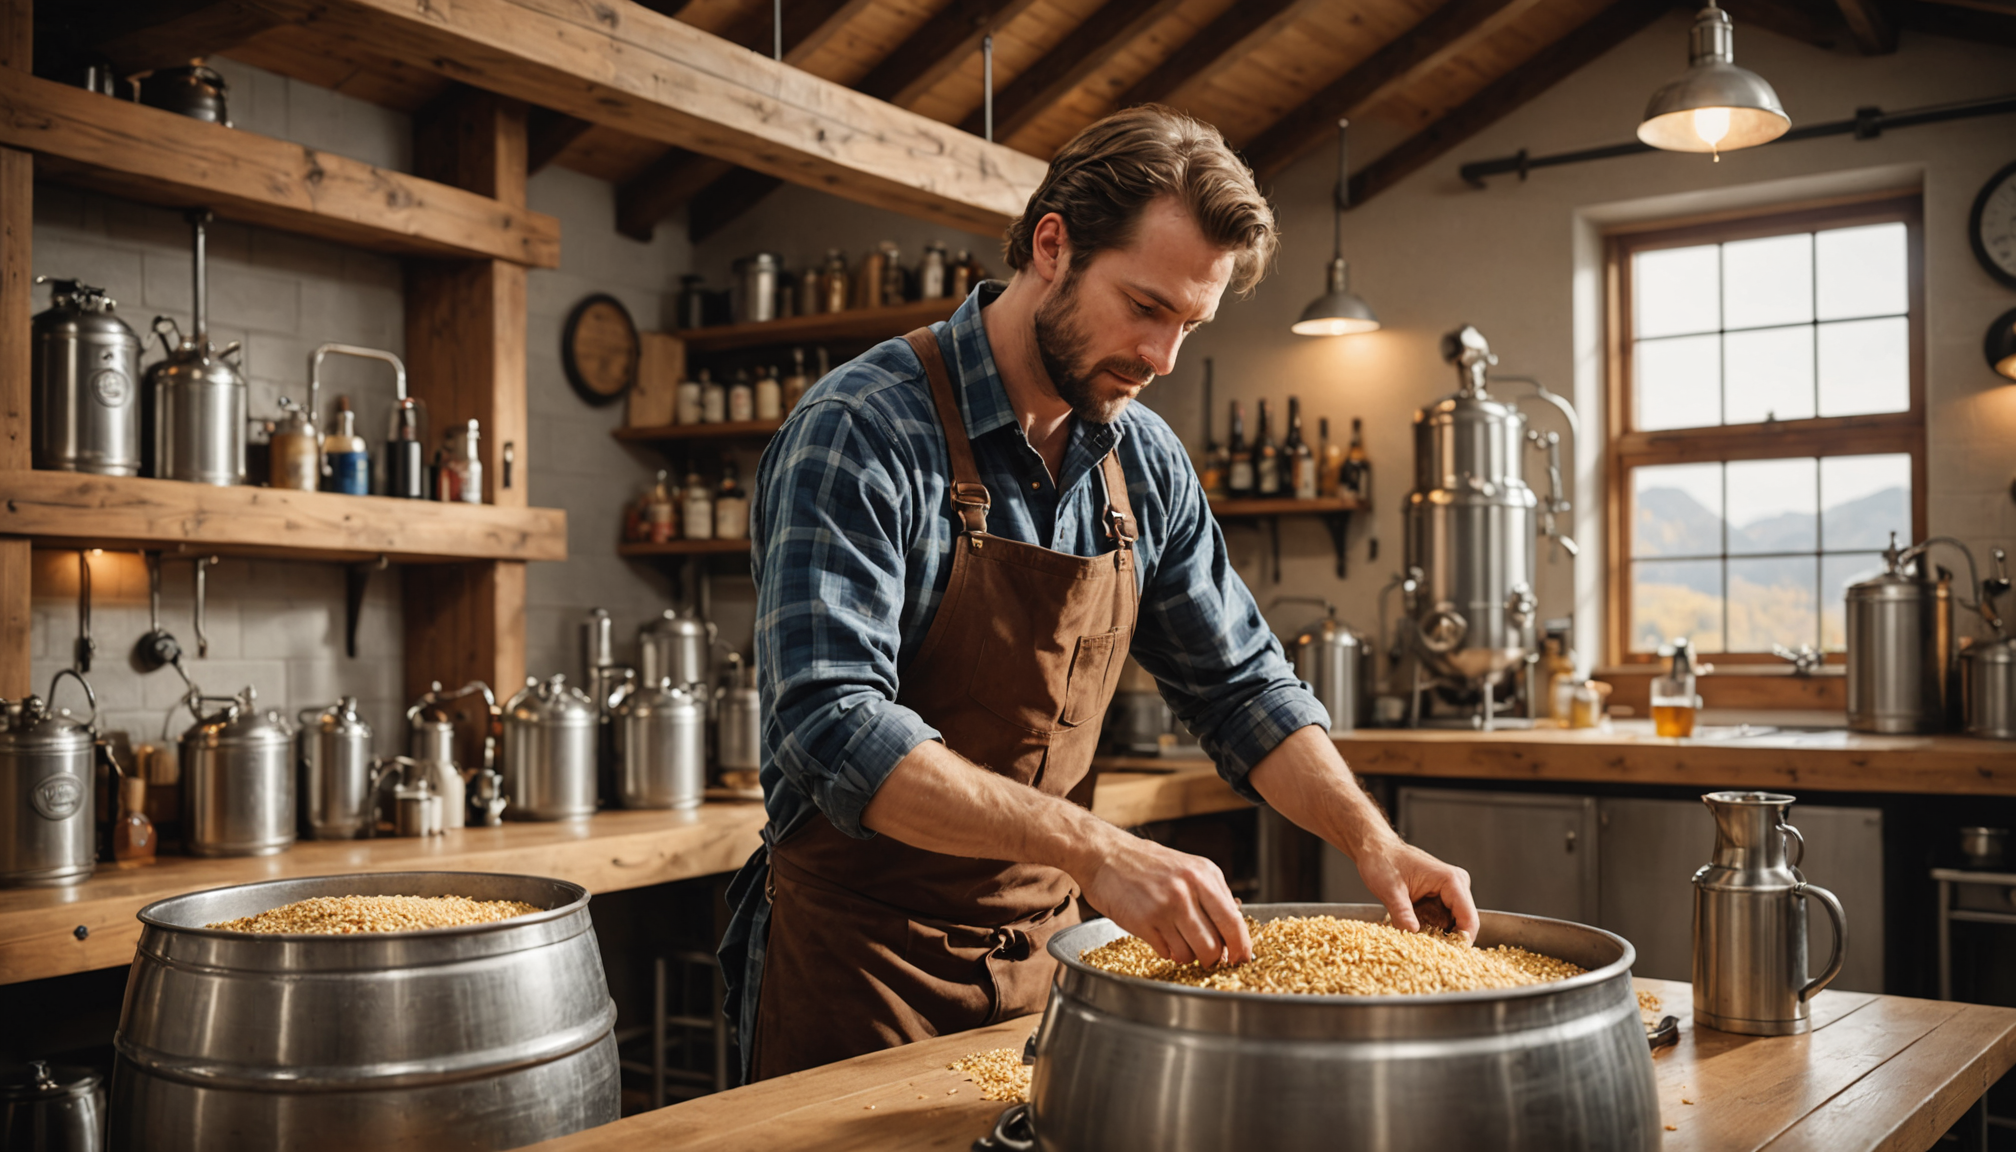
<point>939,801</point>
<point>1305,779</point>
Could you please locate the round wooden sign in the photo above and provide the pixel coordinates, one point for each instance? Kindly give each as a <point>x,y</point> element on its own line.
<point>599,348</point>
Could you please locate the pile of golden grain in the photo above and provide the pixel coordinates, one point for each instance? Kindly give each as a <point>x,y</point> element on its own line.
<point>343,915</point>
<point>1000,1074</point>
<point>1325,956</point>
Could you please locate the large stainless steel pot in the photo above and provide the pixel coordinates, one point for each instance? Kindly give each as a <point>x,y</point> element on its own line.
<point>85,391</point>
<point>661,747</point>
<point>333,755</point>
<point>237,780</point>
<point>1125,1064</point>
<point>1901,655</point>
<point>1988,686</point>
<point>47,815</point>
<point>45,1109</point>
<point>490,1036</point>
<point>549,752</point>
<point>678,645</point>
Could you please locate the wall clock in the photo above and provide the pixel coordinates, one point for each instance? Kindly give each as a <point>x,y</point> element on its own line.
<point>599,348</point>
<point>1991,228</point>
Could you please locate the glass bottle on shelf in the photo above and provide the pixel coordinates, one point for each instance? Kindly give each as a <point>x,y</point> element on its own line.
<point>1329,462</point>
<point>133,836</point>
<point>731,506</point>
<point>698,510</point>
<point>461,479</point>
<point>346,459</point>
<point>660,516</point>
<point>960,276</point>
<point>741,399</point>
<point>713,400</point>
<point>1673,698</point>
<point>769,395</point>
<point>895,277</point>
<point>1266,459</point>
<point>931,274</point>
<point>1301,462</point>
<point>1357,472</point>
<point>836,276</point>
<point>796,383</point>
<point>1239,458</point>
<point>687,406</point>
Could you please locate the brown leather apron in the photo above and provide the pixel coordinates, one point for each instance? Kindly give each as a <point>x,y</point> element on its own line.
<point>874,943</point>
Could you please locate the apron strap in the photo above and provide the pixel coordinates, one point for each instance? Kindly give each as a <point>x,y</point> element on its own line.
<point>969,495</point>
<point>1120,522</point>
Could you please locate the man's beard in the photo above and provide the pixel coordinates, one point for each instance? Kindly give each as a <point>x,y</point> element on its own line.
<point>1061,343</point>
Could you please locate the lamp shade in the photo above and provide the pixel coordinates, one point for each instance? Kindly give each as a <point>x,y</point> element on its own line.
<point>1339,311</point>
<point>1714,106</point>
<point>2001,344</point>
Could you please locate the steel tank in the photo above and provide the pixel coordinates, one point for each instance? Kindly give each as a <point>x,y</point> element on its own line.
<point>661,747</point>
<point>85,375</point>
<point>1336,663</point>
<point>739,718</point>
<point>48,820</point>
<point>1900,646</point>
<point>197,398</point>
<point>678,645</point>
<point>489,1036</point>
<point>1125,1064</point>
<point>549,752</point>
<point>332,752</point>
<point>237,780</point>
<point>1988,687</point>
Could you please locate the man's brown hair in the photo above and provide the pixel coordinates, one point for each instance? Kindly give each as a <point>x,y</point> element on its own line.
<point>1100,182</point>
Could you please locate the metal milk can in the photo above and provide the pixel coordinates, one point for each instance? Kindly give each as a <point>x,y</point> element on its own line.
<point>1750,922</point>
<point>1900,645</point>
<point>549,752</point>
<point>1336,663</point>
<point>86,384</point>
<point>431,744</point>
<point>197,397</point>
<point>237,782</point>
<point>47,819</point>
<point>661,747</point>
<point>332,751</point>
<point>740,718</point>
<point>679,645</point>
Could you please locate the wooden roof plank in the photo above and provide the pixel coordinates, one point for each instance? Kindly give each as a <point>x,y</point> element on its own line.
<point>1609,28</point>
<point>1066,66</point>
<point>1226,39</point>
<point>651,76</point>
<point>548,134</point>
<point>724,200</point>
<point>137,35</point>
<point>937,49</point>
<point>1874,34</point>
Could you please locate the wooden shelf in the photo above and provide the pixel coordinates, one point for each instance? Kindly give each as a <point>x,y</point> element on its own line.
<point>1286,506</point>
<point>73,510</point>
<point>92,141</point>
<point>874,324</point>
<point>676,433</point>
<point>683,548</point>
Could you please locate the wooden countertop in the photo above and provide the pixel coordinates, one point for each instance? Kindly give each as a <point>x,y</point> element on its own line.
<point>1878,1073</point>
<point>40,927</point>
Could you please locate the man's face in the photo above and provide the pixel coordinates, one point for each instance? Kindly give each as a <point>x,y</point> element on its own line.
<point>1112,325</point>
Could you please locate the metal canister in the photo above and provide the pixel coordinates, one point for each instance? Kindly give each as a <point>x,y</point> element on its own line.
<point>45,1108</point>
<point>740,718</point>
<point>197,397</point>
<point>196,91</point>
<point>678,646</point>
<point>332,751</point>
<point>85,384</point>
<point>431,744</point>
<point>237,782</point>
<point>1900,646</point>
<point>1988,688</point>
<point>47,815</point>
<point>661,747</point>
<point>549,752</point>
<point>1336,663</point>
<point>753,287</point>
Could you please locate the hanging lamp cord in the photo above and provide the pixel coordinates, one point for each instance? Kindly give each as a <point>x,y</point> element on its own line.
<point>1341,199</point>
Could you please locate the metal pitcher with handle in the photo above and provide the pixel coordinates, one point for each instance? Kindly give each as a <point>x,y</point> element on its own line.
<point>1750,922</point>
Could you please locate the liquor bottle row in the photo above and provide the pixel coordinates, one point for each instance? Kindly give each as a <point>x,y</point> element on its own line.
<point>694,510</point>
<point>762,289</point>
<point>1262,469</point>
<point>765,396</point>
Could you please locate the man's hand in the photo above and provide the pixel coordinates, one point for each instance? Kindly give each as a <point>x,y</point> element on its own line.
<point>1416,887</point>
<point>1176,902</point>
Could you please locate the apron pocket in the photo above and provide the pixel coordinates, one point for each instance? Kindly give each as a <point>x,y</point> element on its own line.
<point>1022,667</point>
<point>1085,697</point>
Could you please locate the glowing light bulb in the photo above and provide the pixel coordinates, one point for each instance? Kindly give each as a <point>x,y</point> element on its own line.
<point>1712,124</point>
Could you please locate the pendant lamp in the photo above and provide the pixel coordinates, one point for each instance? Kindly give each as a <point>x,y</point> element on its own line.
<point>1339,311</point>
<point>1714,106</point>
<point>2001,344</point>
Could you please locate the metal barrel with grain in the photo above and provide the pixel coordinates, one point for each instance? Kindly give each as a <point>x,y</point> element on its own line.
<point>480,1036</point>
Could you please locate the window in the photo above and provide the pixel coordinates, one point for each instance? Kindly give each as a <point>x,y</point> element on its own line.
<point>1767,424</point>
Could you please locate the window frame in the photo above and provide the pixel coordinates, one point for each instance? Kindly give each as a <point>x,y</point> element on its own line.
<point>1625,449</point>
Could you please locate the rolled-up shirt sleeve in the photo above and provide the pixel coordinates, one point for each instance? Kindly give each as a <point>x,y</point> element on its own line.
<point>833,512</point>
<point>1202,637</point>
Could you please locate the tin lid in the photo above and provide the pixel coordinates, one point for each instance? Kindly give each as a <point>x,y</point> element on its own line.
<point>551,701</point>
<point>239,722</point>
<point>40,1080</point>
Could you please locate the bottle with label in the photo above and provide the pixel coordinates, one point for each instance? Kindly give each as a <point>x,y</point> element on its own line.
<point>1329,462</point>
<point>796,383</point>
<point>661,519</point>
<point>133,840</point>
<point>697,509</point>
<point>962,274</point>
<point>686,408</point>
<point>769,395</point>
<point>1301,462</point>
<point>1673,700</point>
<point>1239,458</point>
<point>1266,459</point>
<point>837,295</point>
<point>731,506</point>
<point>741,399</point>
<point>713,400</point>
<point>345,458</point>
<point>1357,472</point>
<point>932,281</point>
<point>895,277</point>
<point>870,278</point>
<point>461,477</point>
<point>296,450</point>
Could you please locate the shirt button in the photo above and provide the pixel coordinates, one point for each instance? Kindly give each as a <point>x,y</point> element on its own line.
<point>1037,484</point>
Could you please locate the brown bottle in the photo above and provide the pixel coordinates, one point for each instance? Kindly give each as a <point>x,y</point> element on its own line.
<point>133,835</point>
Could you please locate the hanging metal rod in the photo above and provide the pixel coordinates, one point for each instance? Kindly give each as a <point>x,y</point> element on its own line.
<point>1867,124</point>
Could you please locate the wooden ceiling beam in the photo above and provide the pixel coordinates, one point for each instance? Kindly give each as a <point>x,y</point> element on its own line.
<point>1818,25</point>
<point>548,134</point>
<point>1551,65</point>
<point>650,76</point>
<point>724,200</point>
<point>1054,74</point>
<point>1215,47</point>
<point>937,49</point>
<point>138,35</point>
<point>1874,34</point>
<point>1975,21</point>
<point>808,25</point>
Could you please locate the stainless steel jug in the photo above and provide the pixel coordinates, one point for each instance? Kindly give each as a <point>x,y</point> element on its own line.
<point>197,397</point>
<point>1336,663</point>
<point>678,645</point>
<point>52,1109</point>
<point>1750,922</point>
<point>1900,645</point>
<point>549,752</point>
<point>432,744</point>
<point>740,718</point>
<point>332,752</point>
<point>237,782</point>
<point>195,91</point>
<point>85,384</point>
<point>661,747</point>
<point>47,813</point>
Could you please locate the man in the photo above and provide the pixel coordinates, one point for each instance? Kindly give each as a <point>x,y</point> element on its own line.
<point>959,538</point>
